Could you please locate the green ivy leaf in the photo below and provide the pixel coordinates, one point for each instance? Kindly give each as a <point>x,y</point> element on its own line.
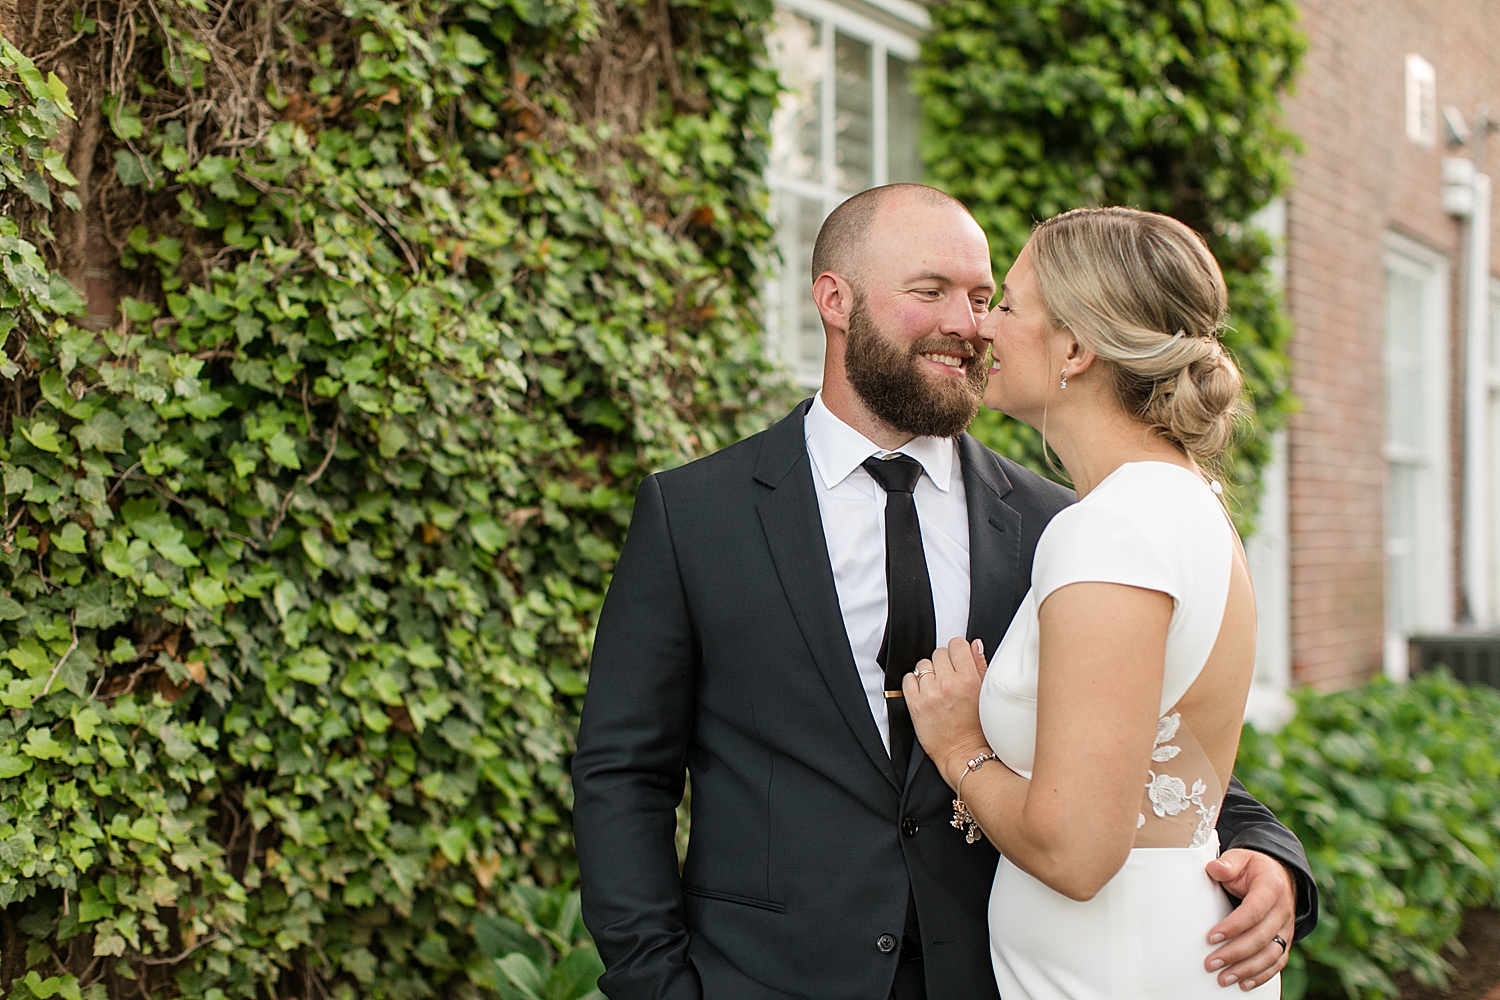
<point>343,617</point>
<point>209,592</point>
<point>166,539</point>
<point>283,450</point>
<point>42,434</point>
<point>393,438</point>
<point>18,480</point>
<point>13,764</point>
<point>40,744</point>
<point>96,606</point>
<point>59,92</point>
<point>312,544</point>
<point>488,535</point>
<point>101,432</point>
<point>207,406</point>
<point>42,989</point>
<point>128,168</point>
<point>177,746</point>
<point>70,539</point>
<point>29,655</point>
<point>312,666</point>
<point>85,722</point>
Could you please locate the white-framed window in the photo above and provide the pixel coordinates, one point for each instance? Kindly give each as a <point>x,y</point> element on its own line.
<point>849,122</point>
<point>1418,511</point>
<point>1421,101</point>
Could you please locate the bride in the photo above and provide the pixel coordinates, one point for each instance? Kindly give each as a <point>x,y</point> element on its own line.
<point>1112,709</point>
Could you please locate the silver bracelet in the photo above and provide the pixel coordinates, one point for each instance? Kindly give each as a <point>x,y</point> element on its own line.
<point>962,818</point>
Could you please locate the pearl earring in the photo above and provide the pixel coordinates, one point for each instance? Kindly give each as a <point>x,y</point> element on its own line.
<point>1063,384</point>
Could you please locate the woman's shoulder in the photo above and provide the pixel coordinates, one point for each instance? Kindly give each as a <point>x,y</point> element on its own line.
<point>1139,526</point>
<point>1156,496</point>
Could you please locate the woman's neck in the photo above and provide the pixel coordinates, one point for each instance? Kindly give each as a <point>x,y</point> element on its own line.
<point>1094,444</point>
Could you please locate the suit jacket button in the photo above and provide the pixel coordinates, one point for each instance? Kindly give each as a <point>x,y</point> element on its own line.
<point>886,943</point>
<point>909,827</point>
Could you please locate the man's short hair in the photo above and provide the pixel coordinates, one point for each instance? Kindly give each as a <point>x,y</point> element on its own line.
<point>841,243</point>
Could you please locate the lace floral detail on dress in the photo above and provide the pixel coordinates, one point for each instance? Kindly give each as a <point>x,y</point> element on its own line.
<point>1168,794</point>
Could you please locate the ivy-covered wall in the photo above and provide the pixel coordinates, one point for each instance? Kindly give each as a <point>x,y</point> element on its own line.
<point>337,336</point>
<point>1037,106</point>
<point>300,549</point>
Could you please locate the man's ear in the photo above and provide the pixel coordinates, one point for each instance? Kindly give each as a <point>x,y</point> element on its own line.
<point>835,300</point>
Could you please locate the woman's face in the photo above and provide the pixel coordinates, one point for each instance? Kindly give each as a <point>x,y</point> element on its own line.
<point>1023,342</point>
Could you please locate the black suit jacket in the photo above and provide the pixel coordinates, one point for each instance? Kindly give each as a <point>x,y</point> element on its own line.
<point>721,652</point>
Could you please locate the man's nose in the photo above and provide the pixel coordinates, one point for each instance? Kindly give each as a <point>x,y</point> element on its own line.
<point>958,318</point>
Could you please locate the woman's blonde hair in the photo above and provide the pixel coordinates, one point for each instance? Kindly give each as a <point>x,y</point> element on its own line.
<point>1144,294</point>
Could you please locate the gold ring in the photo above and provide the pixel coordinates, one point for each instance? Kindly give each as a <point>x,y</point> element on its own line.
<point>921,673</point>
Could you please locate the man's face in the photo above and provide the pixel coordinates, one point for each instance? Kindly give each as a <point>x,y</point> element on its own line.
<point>913,353</point>
<point>891,376</point>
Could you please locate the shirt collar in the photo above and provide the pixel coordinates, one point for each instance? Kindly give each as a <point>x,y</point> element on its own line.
<point>838,449</point>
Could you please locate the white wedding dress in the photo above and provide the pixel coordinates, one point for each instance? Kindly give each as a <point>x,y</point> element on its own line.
<point>1145,935</point>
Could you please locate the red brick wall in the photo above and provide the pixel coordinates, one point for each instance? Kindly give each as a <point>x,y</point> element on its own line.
<point>1358,179</point>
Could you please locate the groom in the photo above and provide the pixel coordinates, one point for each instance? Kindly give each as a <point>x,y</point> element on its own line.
<point>744,641</point>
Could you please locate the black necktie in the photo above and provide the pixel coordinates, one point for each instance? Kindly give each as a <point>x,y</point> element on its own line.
<point>910,624</point>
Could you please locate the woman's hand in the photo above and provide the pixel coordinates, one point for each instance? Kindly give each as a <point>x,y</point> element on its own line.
<point>942,695</point>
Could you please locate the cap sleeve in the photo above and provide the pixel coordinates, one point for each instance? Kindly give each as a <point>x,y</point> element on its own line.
<point>1094,543</point>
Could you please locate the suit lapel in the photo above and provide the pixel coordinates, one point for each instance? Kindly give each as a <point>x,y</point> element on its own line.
<point>794,531</point>
<point>995,572</point>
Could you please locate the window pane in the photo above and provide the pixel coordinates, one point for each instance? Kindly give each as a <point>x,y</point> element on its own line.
<point>799,329</point>
<point>797,124</point>
<point>904,112</point>
<point>1406,414</point>
<point>854,106</point>
<point>1403,598</point>
<point>1494,331</point>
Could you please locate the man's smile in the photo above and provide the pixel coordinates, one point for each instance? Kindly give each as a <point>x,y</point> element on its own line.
<point>951,360</point>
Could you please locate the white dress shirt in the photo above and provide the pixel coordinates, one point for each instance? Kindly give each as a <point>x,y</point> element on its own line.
<point>853,509</point>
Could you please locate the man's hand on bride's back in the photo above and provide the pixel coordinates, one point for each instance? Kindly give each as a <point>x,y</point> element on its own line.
<point>1249,953</point>
<point>942,695</point>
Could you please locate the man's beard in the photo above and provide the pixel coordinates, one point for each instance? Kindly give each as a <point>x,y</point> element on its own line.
<point>889,379</point>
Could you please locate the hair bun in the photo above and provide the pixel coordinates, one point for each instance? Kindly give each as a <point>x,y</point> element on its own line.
<point>1118,278</point>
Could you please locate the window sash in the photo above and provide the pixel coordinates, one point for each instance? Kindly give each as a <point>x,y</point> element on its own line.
<point>792,195</point>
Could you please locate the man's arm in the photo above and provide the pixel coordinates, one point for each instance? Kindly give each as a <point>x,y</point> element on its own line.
<point>1264,865</point>
<point>628,771</point>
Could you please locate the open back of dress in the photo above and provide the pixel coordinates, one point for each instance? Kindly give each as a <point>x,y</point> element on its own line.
<point>1160,527</point>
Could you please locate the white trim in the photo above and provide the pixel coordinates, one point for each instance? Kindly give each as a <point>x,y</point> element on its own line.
<point>1476,538</point>
<point>913,14</point>
<point>1492,472</point>
<point>880,132</point>
<point>1421,101</point>
<point>1432,543</point>
<point>1269,554</point>
<point>852,23</point>
<point>1269,550</point>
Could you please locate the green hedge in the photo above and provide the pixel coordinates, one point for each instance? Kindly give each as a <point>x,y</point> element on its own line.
<point>1037,106</point>
<point>1395,792</point>
<point>299,559</point>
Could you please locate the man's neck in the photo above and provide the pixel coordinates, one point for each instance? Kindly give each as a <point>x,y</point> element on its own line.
<point>843,402</point>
